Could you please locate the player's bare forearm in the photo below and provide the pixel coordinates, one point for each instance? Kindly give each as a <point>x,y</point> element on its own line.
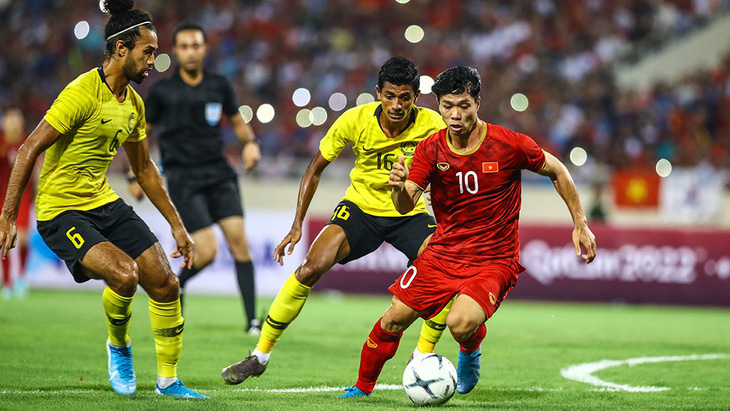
<point>405,199</point>
<point>403,193</point>
<point>149,178</point>
<point>565,186</point>
<point>308,186</point>
<point>37,142</point>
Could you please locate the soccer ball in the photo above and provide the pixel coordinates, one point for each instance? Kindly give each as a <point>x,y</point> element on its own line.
<point>430,380</point>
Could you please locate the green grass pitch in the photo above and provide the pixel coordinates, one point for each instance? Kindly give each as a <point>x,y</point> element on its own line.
<point>52,356</point>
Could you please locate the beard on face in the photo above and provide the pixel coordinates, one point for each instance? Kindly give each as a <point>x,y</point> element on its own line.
<point>130,73</point>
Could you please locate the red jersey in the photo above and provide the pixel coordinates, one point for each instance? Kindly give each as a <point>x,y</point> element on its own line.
<point>476,195</point>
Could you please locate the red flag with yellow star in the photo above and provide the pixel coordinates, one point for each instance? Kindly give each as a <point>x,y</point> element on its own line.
<point>636,188</point>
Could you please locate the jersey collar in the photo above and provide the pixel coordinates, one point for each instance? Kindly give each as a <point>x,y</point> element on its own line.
<point>411,120</point>
<point>103,80</point>
<point>476,147</point>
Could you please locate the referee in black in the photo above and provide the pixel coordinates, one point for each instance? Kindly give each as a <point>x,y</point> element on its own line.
<point>185,110</point>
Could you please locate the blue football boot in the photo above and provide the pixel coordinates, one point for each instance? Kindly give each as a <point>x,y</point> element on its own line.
<point>468,371</point>
<point>121,370</point>
<point>178,390</point>
<point>351,392</point>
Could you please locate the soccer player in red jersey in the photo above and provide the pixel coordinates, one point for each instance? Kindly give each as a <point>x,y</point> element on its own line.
<point>474,171</point>
<point>12,135</point>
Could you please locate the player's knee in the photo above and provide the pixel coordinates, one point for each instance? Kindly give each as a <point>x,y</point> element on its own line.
<point>239,249</point>
<point>392,324</point>
<point>126,276</point>
<point>205,254</point>
<point>310,272</point>
<point>165,289</point>
<point>460,326</point>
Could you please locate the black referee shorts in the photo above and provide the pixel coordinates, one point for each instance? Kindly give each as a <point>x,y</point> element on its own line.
<point>366,233</point>
<point>201,206</point>
<point>72,233</point>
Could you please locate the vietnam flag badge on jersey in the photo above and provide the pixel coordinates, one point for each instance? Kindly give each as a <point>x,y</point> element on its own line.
<point>490,166</point>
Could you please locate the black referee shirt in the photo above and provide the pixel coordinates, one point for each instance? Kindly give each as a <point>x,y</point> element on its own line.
<point>187,122</point>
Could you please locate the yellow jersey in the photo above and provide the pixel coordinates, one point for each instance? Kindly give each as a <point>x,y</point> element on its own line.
<point>93,125</point>
<point>375,153</point>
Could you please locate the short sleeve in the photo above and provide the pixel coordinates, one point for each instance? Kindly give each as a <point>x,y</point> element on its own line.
<point>533,156</point>
<point>423,164</point>
<point>337,137</point>
<point>153,104</point>
<point>74,105</point>
<point>229,99</point>
<point>139,132</point>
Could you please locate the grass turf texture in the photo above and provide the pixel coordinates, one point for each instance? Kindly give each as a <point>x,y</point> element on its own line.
<point>52,356</point>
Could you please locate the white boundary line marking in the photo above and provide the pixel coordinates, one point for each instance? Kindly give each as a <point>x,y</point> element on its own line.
<point>584,372</point>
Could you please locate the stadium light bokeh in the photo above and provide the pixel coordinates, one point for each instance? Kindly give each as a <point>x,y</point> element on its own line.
<point>414,33</point>
<point>337,101</point>
<point>81,29</point>
<point>519,102</point>
<point>265,113</point>
<point>578,156</point>
<point>246,112</point>
<point>162,62</point>
<point>301,97</point>
<point>364,98</point>
<point>426,84</point>
<point>319,116</point>
<point>663,167</point>
<point>304,118</point>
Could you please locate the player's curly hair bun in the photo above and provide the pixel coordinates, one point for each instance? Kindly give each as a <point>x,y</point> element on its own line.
<point>116,6</point>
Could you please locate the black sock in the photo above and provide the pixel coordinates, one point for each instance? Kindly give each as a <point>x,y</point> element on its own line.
<point>183,277</point>
<point>244,272</point>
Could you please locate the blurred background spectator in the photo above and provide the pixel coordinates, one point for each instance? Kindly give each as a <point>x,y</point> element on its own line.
<point>548,68</point>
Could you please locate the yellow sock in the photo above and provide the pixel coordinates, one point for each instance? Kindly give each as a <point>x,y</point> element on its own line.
<point>167,326</point>
<point>286,307</point>
<point>432,329</point>
<point>118,311</point>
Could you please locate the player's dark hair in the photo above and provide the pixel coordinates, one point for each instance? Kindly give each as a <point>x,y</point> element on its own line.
<point>187,25</point>
<point>399,71</point>
<point>457,80</point>
<point>121,18</point>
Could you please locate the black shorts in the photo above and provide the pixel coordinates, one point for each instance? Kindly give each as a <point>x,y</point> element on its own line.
<point>202,205</point>
<point>72,233</point>
<point>366,233</point>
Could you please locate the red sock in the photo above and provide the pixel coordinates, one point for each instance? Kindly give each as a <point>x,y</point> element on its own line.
<point>23,261</point>
<point>7,282</point>
<point>472,343</point>
<point>379,348</point>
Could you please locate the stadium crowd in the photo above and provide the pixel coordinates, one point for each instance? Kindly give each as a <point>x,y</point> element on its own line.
<point>559,54</point>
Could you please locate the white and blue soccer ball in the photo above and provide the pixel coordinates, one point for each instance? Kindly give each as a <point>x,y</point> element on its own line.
<point>430,380</point>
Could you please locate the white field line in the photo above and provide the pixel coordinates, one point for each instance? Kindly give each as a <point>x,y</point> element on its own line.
<point>584,372</point>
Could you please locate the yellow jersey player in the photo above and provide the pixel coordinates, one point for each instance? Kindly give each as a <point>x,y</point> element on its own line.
<point>84,221</point>
<point>379,132</point>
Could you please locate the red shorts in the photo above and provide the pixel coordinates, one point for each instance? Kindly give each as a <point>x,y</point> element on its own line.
<point>430,283</point>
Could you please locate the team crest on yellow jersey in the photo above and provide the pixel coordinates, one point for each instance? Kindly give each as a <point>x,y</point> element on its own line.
<point>408,148</point>
<point>130,122</point>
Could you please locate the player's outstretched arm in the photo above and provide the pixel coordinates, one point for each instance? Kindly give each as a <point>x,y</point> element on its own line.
<point>251,151</point>
<point>565,186</point>
<point>37,142</point>
<point>150,180</point>
<point>404,194</point>
<point>307,188</point>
